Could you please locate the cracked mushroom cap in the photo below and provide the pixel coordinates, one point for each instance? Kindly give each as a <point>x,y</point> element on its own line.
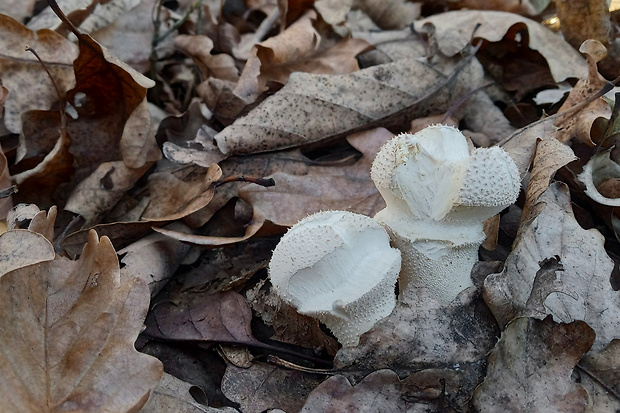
<point>338,267</point>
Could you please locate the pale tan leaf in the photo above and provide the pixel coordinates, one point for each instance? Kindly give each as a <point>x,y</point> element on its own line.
<point>313,107</point>
<point>454,30</point>
<point>17,9</point>
<point>65,346</point>
<point>390,14</point>
<point>97,194</point>
<point>578,288</point>
<point>599,373</point>
<point>21,248</point>
<point>22,74</point>
<point>550,156</point>
<point>530,368</point>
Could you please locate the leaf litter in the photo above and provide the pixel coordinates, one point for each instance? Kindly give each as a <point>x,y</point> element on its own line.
<point>153,185</point>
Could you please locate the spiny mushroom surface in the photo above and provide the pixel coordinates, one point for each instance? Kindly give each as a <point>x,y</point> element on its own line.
<point>338,267</point>
<point>438,195</point>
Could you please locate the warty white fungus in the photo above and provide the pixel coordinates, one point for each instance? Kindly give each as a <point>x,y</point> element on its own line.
<point>438,196</point>
<point>338,267</point>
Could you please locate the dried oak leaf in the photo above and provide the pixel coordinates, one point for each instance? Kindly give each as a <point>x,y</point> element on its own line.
<point>21,248</point>
<point>578,288</point>
<point>381,391</point>
<point>550,156</point>
<point>313,107</point>
<point>22,73</point>
<point>391,14</point>
<point>454,29</point>
<point>530,368</point>
<point>174,395</point>
<point>68,330</point>
<point>299,48</point>
<point>600,170</point>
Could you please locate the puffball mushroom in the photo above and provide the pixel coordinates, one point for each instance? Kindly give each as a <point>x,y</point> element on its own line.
<point>338,267</point>
<point>438,195</point>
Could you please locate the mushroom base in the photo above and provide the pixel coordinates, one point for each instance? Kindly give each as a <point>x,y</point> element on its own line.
<point>443,268</point>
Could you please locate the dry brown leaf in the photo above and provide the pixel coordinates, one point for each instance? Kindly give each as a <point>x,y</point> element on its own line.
<point>173,198</point>
<point>299,48</point>
<point>96,195</point>
<point>381,391</point>
<point>530,368</point>
<point>599,373</point>
<point>263,387</point>
<point>526,7</point>
<point>43,223</point>
<point>454,30</point>
<point>21,248</point>
<point>22,73</point>
<point>73,335</point>
<point>302,189</point>
<point>173,395</point>
<point>578,126</point>
<point>221,317</point>
<point>581,20</point>
<point>221,66</point>
<point>581,291</point>
<point>313,107</point>
<point>550,156</point>
<point>391,14</point>
<point>154,258</point>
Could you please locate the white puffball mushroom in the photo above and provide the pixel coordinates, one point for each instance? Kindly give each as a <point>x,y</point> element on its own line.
<point>438,196</point>
<point>338,267</point>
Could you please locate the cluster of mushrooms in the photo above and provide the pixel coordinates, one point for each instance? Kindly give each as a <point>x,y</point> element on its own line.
<point>342,268</point>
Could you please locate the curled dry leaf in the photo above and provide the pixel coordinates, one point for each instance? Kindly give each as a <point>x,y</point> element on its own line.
<point>313,107</point>
<point>582,291</point>
<point>22,73</point>
<point>154,258</point>
<point>550,156</point>
<point>391,14</point>
<point>530,368</point>
<point>173,198</point>
<point>599,169</point>
<point>97,194</point>
<point>5,179</point>
<point>71,327</point>
<point>454,29</point>
<point>299,48</point>
<point>221,66</point>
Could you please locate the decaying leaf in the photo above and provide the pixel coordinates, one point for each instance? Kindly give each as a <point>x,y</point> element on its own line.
<point>599,170</point>
<point>173,395</point>
<point>530,368</point>
<point>599,373</point>
<point>64,346</point>
<point>382,391</point>
<point>313,107</point>
<point>454,29</point>
<point>22,73</point>
<point>263,387</point>
<point>20,248</point>
<point>582,291</point>
<point>550,156</point>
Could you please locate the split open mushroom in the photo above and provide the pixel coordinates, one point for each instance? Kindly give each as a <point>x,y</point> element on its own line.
<point>438,196</point>
<point>338,267</point>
